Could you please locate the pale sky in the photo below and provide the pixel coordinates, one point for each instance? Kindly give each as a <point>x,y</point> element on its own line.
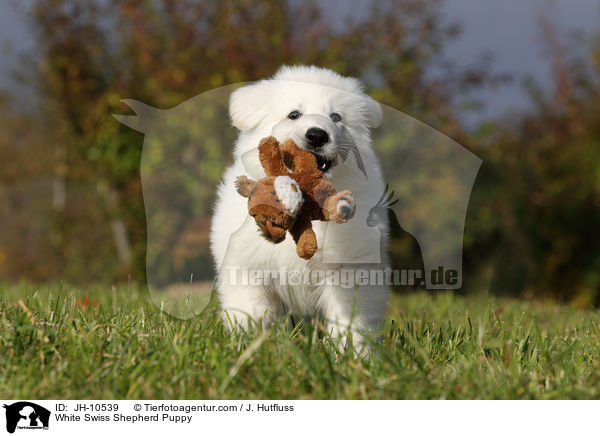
<point>505,28</point>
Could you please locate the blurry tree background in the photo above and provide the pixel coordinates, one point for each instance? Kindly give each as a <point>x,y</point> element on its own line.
<point>70,195</point>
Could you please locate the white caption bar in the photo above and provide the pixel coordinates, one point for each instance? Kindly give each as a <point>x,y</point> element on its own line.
<point>83,417</point>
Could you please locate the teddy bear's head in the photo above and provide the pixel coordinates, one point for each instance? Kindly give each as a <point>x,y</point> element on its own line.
<point>274,203</point>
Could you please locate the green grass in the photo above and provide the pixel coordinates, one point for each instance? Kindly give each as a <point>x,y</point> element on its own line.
<point>434,345</point>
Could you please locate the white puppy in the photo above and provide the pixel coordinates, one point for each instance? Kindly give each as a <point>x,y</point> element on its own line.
<point>328,115</point>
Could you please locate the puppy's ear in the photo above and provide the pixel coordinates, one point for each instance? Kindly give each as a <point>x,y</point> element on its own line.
<point>247,106</point>
<point>374,114</point>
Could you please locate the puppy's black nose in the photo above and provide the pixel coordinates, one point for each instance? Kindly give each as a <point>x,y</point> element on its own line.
<point>316,137</point>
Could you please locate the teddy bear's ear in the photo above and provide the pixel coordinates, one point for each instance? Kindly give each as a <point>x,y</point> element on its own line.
<point>374,114</point>
<point>246,105</point>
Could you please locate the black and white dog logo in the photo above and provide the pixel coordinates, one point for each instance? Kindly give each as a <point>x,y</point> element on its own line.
<point>26,415</point>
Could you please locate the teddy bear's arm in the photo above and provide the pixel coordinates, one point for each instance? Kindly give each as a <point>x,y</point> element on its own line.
<point>322,191</point>
<point>301,160</point>
<point>271,157</point>
<point>303,165</point>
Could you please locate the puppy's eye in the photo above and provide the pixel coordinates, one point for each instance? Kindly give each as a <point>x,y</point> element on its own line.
<point>335,117</point>
<point>294,115</point>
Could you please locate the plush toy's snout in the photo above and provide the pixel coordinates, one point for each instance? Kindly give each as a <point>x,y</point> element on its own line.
<point>273,225</point>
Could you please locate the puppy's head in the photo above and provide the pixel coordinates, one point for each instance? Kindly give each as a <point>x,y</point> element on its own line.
<point>317,108</point>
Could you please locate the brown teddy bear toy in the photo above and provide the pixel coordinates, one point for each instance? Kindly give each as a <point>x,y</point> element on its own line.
<point>293,194</point>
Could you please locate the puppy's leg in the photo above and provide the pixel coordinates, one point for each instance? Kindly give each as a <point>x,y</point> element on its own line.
<point>246,308</point>
<point>357,311</point>
<point>341,315</point>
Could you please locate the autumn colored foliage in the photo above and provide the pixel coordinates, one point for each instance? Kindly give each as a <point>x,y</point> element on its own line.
<point>70,193</point>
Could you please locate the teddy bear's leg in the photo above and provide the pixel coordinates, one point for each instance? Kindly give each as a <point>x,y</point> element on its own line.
<point>271,157</point>
<point>307,244</point>
<point>305,238</point>
<point>339,207</point>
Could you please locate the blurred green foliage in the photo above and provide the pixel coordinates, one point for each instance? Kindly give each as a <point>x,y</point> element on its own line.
<point>70,193</point>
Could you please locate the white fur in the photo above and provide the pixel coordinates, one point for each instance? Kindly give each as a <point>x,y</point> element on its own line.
<point>289,193</point>
<point>260,110</point>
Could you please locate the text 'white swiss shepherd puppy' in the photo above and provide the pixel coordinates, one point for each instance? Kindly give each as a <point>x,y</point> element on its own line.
<point>297,99</point>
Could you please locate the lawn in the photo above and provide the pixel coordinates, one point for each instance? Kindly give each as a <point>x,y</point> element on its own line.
<point>114,344</point>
